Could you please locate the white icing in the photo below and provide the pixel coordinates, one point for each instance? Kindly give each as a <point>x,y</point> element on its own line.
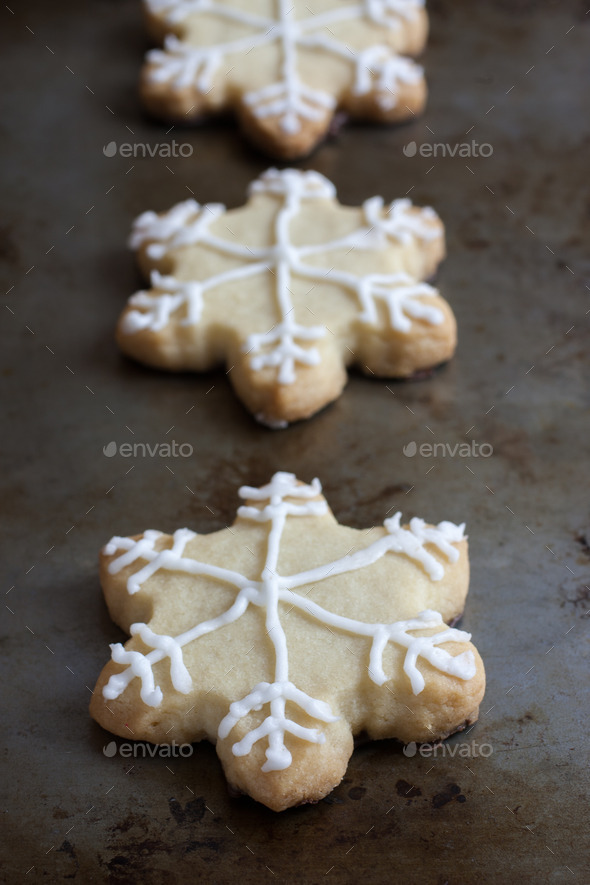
<point>401,221</point>
<point>183,225</point>
<point>137,665</point>
<point>389,12</point>
<point>287,343</point>
<point>411,542</point>
<point>181,678</point>
<point>171,559</point>
<point>183,66</point>
<point>402,296</point>
<point>381,69</point>
<point>309,184</point>
<point>157,310</point>
<point>273,504</point>
<point>382,12</point>
<point>289,98</point>
<point>287,352</point>
<point>282,485</point>
<point>175,11</point>
<point>462,666</point>
<point>276,723</point>
<point>272,423</point>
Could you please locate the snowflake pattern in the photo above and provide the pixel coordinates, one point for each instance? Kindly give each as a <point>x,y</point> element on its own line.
<point>373,79</point>
<point>391,300</point>
<point>271,506</point>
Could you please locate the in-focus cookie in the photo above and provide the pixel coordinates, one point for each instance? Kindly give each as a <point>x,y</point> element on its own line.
<point>282,637</point>
<point>285,66</point>
<point>288,291</point>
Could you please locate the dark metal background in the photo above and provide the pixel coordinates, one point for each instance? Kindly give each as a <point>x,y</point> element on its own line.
<point>513,74</point>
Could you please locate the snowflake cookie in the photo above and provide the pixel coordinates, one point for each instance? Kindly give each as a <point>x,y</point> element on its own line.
<point>289,290</point>
<point>284,66</point>
<point>282,637</point>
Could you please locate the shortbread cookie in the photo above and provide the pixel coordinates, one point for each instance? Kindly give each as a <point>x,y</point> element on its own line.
<point>281,638</point>
<point>285,66</point>
<point>288,291</point>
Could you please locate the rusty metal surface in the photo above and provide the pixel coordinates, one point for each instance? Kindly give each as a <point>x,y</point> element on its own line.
<point>518,278</point>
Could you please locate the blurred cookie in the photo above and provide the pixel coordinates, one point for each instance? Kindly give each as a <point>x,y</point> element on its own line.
<point>288,291</point>
<point>285,67</point>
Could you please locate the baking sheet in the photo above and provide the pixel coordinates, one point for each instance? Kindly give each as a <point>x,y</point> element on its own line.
<point>509,75</point>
